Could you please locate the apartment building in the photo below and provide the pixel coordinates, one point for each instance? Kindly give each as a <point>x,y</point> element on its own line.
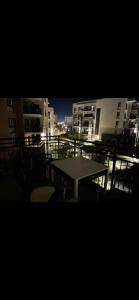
<point>11,114</point>
<point>109,115</point>
<point>68,120</point>
<point>35,117</point>
<point>84,118</point>
<point>133,118</point>
<point>23,117</point>
<point>52,121</point>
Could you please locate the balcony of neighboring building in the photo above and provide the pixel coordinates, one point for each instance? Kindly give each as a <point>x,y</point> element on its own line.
<point>32,126</point>
<point>86,123</point>
<point>89,108</point>
<point>131,125</point>
<point>89,115</point>
<point>33,129</point>
<point>132,116</point>
<point>76,124</point>
<point>75,115</point>
<point>31,109</point>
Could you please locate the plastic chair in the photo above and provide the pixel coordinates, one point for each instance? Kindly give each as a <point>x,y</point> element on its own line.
<point>42,194</point>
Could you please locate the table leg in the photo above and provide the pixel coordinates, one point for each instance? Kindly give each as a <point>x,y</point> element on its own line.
<point>52,175</point>
<point>76,189</point>
<point>106,178</point>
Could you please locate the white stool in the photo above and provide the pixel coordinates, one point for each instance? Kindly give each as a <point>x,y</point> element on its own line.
<point>42,194</point>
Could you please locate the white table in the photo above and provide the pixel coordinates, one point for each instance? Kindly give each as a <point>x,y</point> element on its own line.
<point>78,168</point>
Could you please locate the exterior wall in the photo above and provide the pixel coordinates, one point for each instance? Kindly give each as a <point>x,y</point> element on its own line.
<point>106,123</point>
<point>5,115</point>
<point>108,115</point>
<point>45,123</point>
<point>52,120</point>
<point>68,120</point>
<point>4,128</point>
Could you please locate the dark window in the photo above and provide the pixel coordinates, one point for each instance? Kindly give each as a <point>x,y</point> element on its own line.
<point>85,131</point>
<point>86,123</point>
<point>10,105</point>
<point>49,125</point>
<point>88,115</point>
<point>126,106</point>
<point>117,123</point>
<point>119,104</point>
<point>124,124</point>
<point>10,102</point>
<point>125,115</point>
<point>87,108</point>
<point>12,123</point>
<point>49,114</point>
<point>97,120</point>
<point>118,115</point>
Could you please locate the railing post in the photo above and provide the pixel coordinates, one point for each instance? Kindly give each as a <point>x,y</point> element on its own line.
<point>114,165</point>
<point>58,145</point>
<point>74,148</point>
<point>47,141</point>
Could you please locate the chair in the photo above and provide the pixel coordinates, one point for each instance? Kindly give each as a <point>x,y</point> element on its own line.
<point>42,194</point>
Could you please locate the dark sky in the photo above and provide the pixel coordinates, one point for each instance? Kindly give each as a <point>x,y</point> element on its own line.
<point>63,106</point>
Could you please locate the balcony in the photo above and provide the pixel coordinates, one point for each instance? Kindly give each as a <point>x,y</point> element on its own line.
<point>88,108</point>
<point>132,116</point>
<point>89,116</point>
<point>32,109</point>
<point>33,129</point>
<point>29,170</point>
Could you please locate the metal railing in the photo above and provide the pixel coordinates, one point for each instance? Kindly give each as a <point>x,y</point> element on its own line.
<point>60,147</point>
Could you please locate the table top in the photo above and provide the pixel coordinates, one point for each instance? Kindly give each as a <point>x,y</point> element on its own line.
<point>79,167</point>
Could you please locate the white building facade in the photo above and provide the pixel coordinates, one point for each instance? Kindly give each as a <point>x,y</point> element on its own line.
<point>109,115</point>
<point>52,121</point>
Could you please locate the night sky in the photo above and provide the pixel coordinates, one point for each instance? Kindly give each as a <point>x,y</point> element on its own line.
<point>63,106</point>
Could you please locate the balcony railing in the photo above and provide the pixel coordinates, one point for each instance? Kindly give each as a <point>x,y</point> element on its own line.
<point>89,116</point>
<point>121,168</point>
<point>88,108</point>
<point>33,129</point>
<point>32,110</point>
